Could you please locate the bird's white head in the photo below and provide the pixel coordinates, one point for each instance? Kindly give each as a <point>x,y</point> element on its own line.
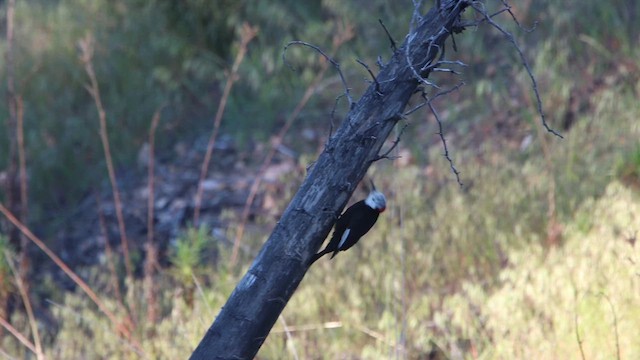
<point>376,200</point>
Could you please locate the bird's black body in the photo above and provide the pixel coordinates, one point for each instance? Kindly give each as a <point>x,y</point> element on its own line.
<point>350,227</point>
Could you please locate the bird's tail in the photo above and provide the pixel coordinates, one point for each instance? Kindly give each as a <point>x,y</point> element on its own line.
<point>317,256</point>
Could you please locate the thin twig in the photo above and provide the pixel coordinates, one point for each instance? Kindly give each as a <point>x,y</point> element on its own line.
<point>22,160</point>
<point>12,191</point>
<point>246,35</point>
<point>24,200</point>
<point>333,113</point>
<point>123,328</point>
<point>375,80</point>
<point>151,175</point>
<point>400,211</point>
<point>418,76</point>
<point>385,155</point>
<point>289,337</point>
<point>477,22</point>
<point>376,335</point>
<point>336,65</point>
<point>311,327</point>
<point>444,141</point>
<point>507,7</point>
<point>429,64</point>
<point>440,93</point>
<point>151,261</point>
<point>446,70</point>
<point>391,41</point>
<point>115,284</point>
<point>575,321</point>
<point>196,282</point>
<point>6,355</point>
<point>18,335</point>
<point>452,62</point>
<point>416,16</point>
<point>523,58</point>
<point>27,306</point>
<point>552,223</point>
<point>615,323</point>
<point>86,56</point>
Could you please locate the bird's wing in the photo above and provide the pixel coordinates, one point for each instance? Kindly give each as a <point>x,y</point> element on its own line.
<point>344,237</point>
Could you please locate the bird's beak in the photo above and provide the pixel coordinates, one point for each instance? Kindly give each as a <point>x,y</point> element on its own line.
<point>373,186</point>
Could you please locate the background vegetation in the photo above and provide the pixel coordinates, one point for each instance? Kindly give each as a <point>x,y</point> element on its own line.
<point>535,257</point>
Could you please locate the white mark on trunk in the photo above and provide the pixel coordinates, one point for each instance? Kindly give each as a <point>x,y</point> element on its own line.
<point>247,281</point>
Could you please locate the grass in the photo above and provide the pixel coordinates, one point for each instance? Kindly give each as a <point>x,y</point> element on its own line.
<point>468,270</point>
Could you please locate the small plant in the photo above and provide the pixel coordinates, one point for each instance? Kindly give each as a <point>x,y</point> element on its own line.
<point>186,258</point>
<point>629,169</point>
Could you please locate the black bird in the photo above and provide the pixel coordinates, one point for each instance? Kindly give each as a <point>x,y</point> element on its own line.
<point>354,223</point>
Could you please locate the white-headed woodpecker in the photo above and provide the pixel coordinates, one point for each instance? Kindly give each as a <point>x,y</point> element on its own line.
<point>354,223</point>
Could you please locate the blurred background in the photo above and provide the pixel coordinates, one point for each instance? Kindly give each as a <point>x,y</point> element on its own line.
<point>534,257</point>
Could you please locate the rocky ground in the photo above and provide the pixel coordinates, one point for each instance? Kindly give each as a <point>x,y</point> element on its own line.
<point>81,234</point>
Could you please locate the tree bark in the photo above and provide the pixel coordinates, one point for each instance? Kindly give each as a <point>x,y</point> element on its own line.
<point>254,306</point>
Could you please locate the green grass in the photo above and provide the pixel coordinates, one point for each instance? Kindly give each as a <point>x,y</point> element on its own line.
<point>467,270</point>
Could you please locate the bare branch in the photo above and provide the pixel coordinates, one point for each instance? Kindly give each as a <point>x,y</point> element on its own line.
<point>18,335</point>
<point>418,76</point>
<point>294,353</point>
<point>452,62</point>
<point>441,93</point>
<point>615,323</point>
<point>391,41</point>
<point>446,70</point>
<point>22,289</point>
<point>375,80</point>
<point>393,146</point>
<point>115,284</point>
<point>576,324</point>
<point>151,262</point>
<point>430,65</point>
<point>507,8</point>
<point>87,47</point>
<point>329,58</point>
<point>476,22</point>
<point>247,34</point>
<point>123,327</point>
<point>513,42</point>
<point>416,17</point>
<point>444,141</point>
<point>333,113</point>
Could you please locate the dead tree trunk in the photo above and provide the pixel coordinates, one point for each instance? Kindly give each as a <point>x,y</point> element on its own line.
<point>254,306</point>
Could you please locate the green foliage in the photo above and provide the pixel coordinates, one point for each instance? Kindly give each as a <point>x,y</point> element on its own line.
<point>188,253</point>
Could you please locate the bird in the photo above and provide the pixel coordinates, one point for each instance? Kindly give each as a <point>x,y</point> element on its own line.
<point>354,223</point>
